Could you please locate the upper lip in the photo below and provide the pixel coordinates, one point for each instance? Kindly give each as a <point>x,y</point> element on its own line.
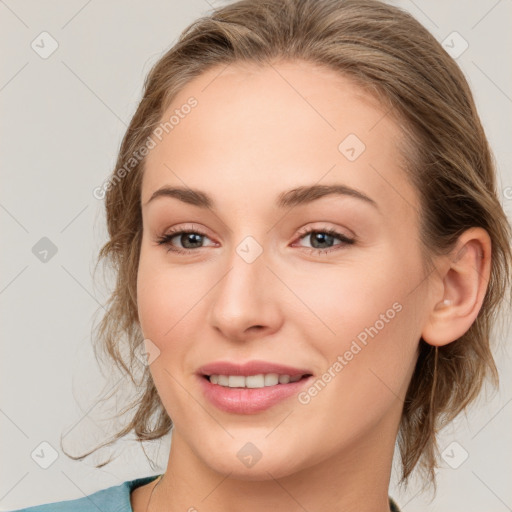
<point>250,368</point>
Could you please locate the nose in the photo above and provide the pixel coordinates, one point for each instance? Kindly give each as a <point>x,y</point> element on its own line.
<point>246,300</point>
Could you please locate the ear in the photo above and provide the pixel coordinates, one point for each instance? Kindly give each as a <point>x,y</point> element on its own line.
<point>464,274</point>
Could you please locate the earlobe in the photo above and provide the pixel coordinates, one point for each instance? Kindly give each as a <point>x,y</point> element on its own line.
<point>464,285</point>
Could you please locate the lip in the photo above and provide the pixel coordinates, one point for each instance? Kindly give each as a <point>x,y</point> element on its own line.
<point>250,368</point>
<point>249,400</point>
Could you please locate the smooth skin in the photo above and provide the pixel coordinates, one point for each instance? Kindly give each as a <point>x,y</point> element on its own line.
<point>255,133</point>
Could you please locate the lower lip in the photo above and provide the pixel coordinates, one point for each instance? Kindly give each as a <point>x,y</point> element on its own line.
<point>249,400</point>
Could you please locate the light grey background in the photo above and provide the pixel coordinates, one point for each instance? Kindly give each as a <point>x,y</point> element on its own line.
<point>63,118</point>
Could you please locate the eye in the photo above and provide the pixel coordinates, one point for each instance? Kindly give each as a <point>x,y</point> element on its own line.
<point>322,237</point>
<point>190,239</point>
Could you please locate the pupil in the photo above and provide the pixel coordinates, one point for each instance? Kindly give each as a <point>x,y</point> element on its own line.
<point>322,238</point>
<point>190,237</point>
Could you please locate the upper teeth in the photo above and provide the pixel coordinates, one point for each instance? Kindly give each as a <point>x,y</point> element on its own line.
<point>252,381</point>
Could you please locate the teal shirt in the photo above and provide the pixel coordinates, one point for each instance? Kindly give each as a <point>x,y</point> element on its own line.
<point>113,499</point>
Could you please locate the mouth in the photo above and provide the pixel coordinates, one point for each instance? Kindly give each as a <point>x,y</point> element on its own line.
<point>251,394</point>
<point>260,380</point>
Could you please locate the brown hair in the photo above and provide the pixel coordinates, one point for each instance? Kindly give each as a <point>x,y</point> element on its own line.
<point>387,52</point>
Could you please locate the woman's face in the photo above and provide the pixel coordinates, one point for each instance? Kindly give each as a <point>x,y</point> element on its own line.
<point>329,284</point>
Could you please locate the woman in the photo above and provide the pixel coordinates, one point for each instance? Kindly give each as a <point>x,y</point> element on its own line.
<point>310,249</point>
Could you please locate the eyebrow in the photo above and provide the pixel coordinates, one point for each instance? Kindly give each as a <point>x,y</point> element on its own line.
<point>294,197</point>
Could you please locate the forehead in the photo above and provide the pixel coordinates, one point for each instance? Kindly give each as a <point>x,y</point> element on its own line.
<point>276,127</point>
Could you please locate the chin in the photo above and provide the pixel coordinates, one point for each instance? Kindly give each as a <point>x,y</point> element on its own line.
<point>245,462</point>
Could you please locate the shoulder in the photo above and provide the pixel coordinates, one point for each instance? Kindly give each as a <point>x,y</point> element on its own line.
<point>115,499</point>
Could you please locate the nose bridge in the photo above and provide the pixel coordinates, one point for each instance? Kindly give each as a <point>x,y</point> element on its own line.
<point>244,296</point>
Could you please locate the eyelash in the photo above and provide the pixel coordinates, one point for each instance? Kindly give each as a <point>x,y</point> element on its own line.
<point>166,239</point>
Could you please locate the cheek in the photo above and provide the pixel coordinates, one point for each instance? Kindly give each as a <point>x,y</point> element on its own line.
<point>165,300</point>
<point>346,299</point>
<point>368,316</point>
<point>149,303</point>
<point>161,295</point>
<point>171,305</point>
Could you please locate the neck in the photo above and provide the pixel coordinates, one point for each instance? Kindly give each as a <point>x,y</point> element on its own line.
<point>355,478</point>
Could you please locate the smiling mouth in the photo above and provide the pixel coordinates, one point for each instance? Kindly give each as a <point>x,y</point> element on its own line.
<point>254,381</point>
